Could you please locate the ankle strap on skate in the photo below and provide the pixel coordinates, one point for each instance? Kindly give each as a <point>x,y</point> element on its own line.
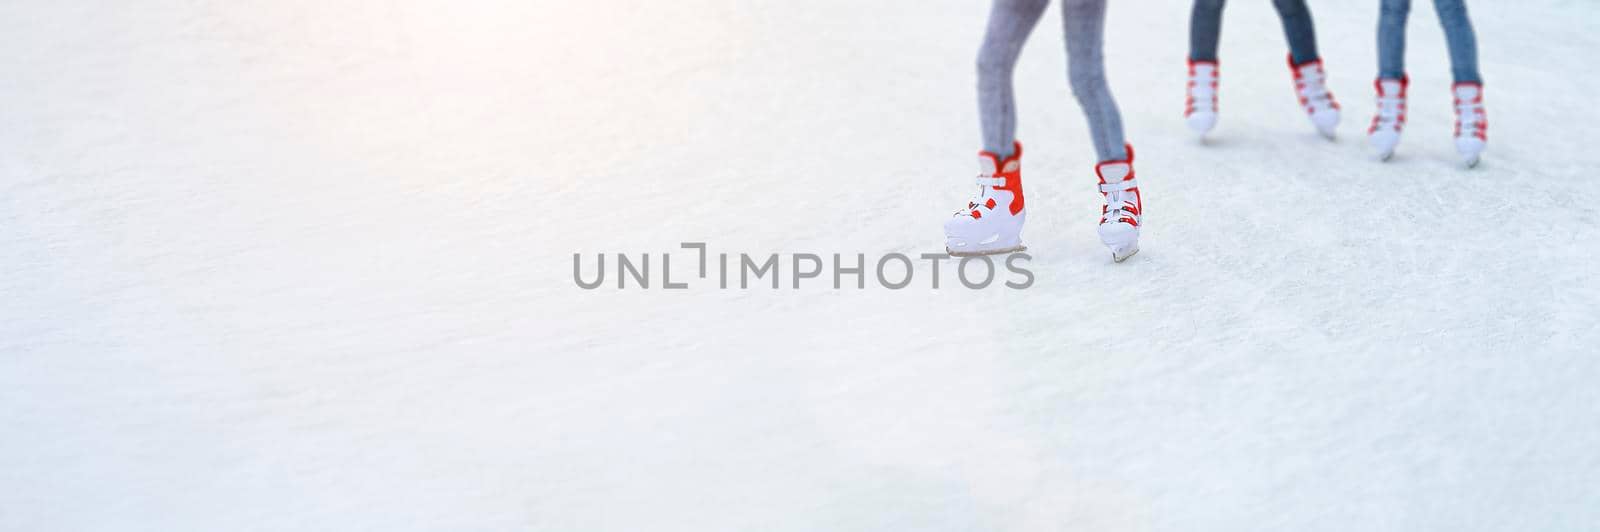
<point>988,181</point>
<point>1119,186</point>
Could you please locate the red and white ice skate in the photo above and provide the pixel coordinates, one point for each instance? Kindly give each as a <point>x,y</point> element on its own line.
<point>1472,125</point>
<point>1311,86</point>
<point>1200,110</point>
<point>1119,218</point>
<point>992,221</point>
<point>1390,120</point>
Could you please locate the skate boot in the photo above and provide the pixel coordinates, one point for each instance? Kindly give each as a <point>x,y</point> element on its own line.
<point>1119,218</point>
<point>1391,118</point>
<point>1201,110</point>
<point>1311,85</point>
<point>1472,125</point>
<point>992,221</point>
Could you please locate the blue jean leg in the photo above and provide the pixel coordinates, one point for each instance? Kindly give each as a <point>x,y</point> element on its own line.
<point>1462,40</point>
<point>1392,16</point>
<point>1298,29</point>
<point>1458,34</point>
<point>1084,25</point>
<point>1205,29</point>
<point>1010,22</point>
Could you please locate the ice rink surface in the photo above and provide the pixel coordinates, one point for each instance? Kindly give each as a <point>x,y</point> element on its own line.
<point>304,265</point>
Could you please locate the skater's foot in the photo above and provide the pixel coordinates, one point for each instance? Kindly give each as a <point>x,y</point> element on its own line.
<point>1472,125</point>
<point>1201,110</point>
<point>1390,119</point>
<point>1119,218</point>
<point>992,220</point>
<point>1311,86</point>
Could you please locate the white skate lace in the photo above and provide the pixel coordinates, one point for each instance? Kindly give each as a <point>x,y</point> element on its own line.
<point>1389,111</point>
<point>1116,209</point>
<point>1202,90</point>
<point>1468,114</point>
<point>985,182</point>
<point>1117,200</point>
<point>1313,88</point>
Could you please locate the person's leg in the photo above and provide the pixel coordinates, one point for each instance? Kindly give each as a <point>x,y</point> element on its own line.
<point>1010,21</point>
<point>1084,26</point>
<point>1310,76</point>
<point>1390,120</point>
<point>1472,123</point>
<point>1298,29</point>
<point>1463,42</point>
<point>1205,29</point>
<point>1392,38</point>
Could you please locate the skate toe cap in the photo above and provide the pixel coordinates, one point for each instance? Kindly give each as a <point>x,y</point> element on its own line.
<point>1118,235</point>
<point>958,225</point>
<point>1326,121</point>
<point>959,232</point>
<point>1383,141</point>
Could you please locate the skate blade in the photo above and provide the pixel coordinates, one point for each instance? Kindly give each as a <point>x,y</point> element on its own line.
<point>1119,258</point>
<point>1012,249</point>
<point>1384,157</point>
<point>1471,162</point>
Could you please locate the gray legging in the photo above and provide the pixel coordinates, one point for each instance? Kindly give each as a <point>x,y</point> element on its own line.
<point>1083,21</point>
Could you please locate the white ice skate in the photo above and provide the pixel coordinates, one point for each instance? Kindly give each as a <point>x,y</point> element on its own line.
<point>1472,125</point>
<point>1311,86</point>
<point>1390,120</point>
<point>992,221</point>
<point>1201,110</point>
<point>1119,218</point>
